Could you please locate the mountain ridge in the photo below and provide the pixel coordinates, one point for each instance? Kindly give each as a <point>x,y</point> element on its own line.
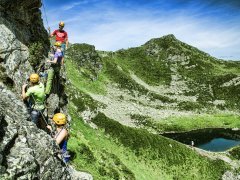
<point>184,83</point>
<point>122,100</point>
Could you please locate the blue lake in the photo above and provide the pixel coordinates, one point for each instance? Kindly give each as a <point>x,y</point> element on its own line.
<point>219,144</point>
<point>216,140</point>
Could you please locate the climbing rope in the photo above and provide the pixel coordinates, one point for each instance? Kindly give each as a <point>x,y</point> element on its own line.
<point>45,13</point>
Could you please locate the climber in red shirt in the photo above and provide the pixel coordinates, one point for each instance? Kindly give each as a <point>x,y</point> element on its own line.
<point>61,36</point>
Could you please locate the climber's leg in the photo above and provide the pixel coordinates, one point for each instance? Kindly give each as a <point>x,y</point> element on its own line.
<point>35,116</point>
<point>49,81</point>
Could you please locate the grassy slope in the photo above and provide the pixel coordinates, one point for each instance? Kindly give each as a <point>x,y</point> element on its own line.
<point>200,72</point>
<point>116,151</point>
<point>119,151</point>
<point>85,84</point>
<point>188,123</point>
<point>152,71</point>
<point>177,124</point>
<point>112,73</point>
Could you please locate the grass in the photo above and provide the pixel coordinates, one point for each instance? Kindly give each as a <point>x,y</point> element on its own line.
<point>120,76</point>
<point>84,84</point>
<point>187,123</point>
<point>95,152</point>
<point>119,152</point>
<point>114,151</point>
<point>226,67</point>
<point>92,72</point>
<point>152,71</point>
<point>235,152</point>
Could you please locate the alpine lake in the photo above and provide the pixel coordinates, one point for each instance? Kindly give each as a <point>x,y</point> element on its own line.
<point>215,140</point>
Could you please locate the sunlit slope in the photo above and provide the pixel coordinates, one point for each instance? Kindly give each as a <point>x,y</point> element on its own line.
<point>157,85</point>
<point>118,152</point>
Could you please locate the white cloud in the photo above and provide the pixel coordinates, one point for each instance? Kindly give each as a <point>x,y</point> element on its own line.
<point>73,5</point>
<point>111,29</point>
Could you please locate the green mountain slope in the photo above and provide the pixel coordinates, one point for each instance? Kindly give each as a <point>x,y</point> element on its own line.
<point>164,85</point>
<point>119,152</point>
<point>164,78</point>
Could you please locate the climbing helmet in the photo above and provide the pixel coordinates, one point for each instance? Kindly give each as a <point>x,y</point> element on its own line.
<point>58,44</point>
<point>34,78</point>
<point>60,119</point>
<point>62,24</point>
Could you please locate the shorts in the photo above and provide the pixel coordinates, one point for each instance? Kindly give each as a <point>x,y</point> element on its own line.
<point>35,115</point>
<point>63,47</point>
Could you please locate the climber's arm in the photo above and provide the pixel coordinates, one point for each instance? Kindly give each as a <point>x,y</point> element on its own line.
<point>24,94</point>
<point>62,136</point>
<point>53,34</point>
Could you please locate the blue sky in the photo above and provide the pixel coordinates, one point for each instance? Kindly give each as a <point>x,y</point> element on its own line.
<point>210,25</point>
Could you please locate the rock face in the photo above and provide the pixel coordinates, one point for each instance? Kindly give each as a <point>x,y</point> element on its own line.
<point>20,28</point>
<point>26,152</point>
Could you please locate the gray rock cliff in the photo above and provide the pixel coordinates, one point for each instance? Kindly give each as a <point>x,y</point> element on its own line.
<point>26,152</point>
<point>20,27</point>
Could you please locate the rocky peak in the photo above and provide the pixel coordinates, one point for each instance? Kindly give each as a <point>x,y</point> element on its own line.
<point>170,38</point>
<point>170,45</point>
<point>163,42</point>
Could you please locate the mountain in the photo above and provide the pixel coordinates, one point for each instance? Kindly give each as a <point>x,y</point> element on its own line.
<point>120,101</point>
<point>164,77</point>
<point>117,104</point>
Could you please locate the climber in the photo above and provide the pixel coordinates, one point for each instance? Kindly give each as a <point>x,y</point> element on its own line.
<point>36,96</point>
<point>61,134</point>
<point>61,36</point>
<point>55,67</point>
<point>58,55</point>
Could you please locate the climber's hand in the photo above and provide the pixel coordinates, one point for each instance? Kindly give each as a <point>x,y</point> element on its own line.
<point>49,127</point>
<point>24,86</point>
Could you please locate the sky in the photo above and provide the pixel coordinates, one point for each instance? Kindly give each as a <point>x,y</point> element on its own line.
<point>212,26</point>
